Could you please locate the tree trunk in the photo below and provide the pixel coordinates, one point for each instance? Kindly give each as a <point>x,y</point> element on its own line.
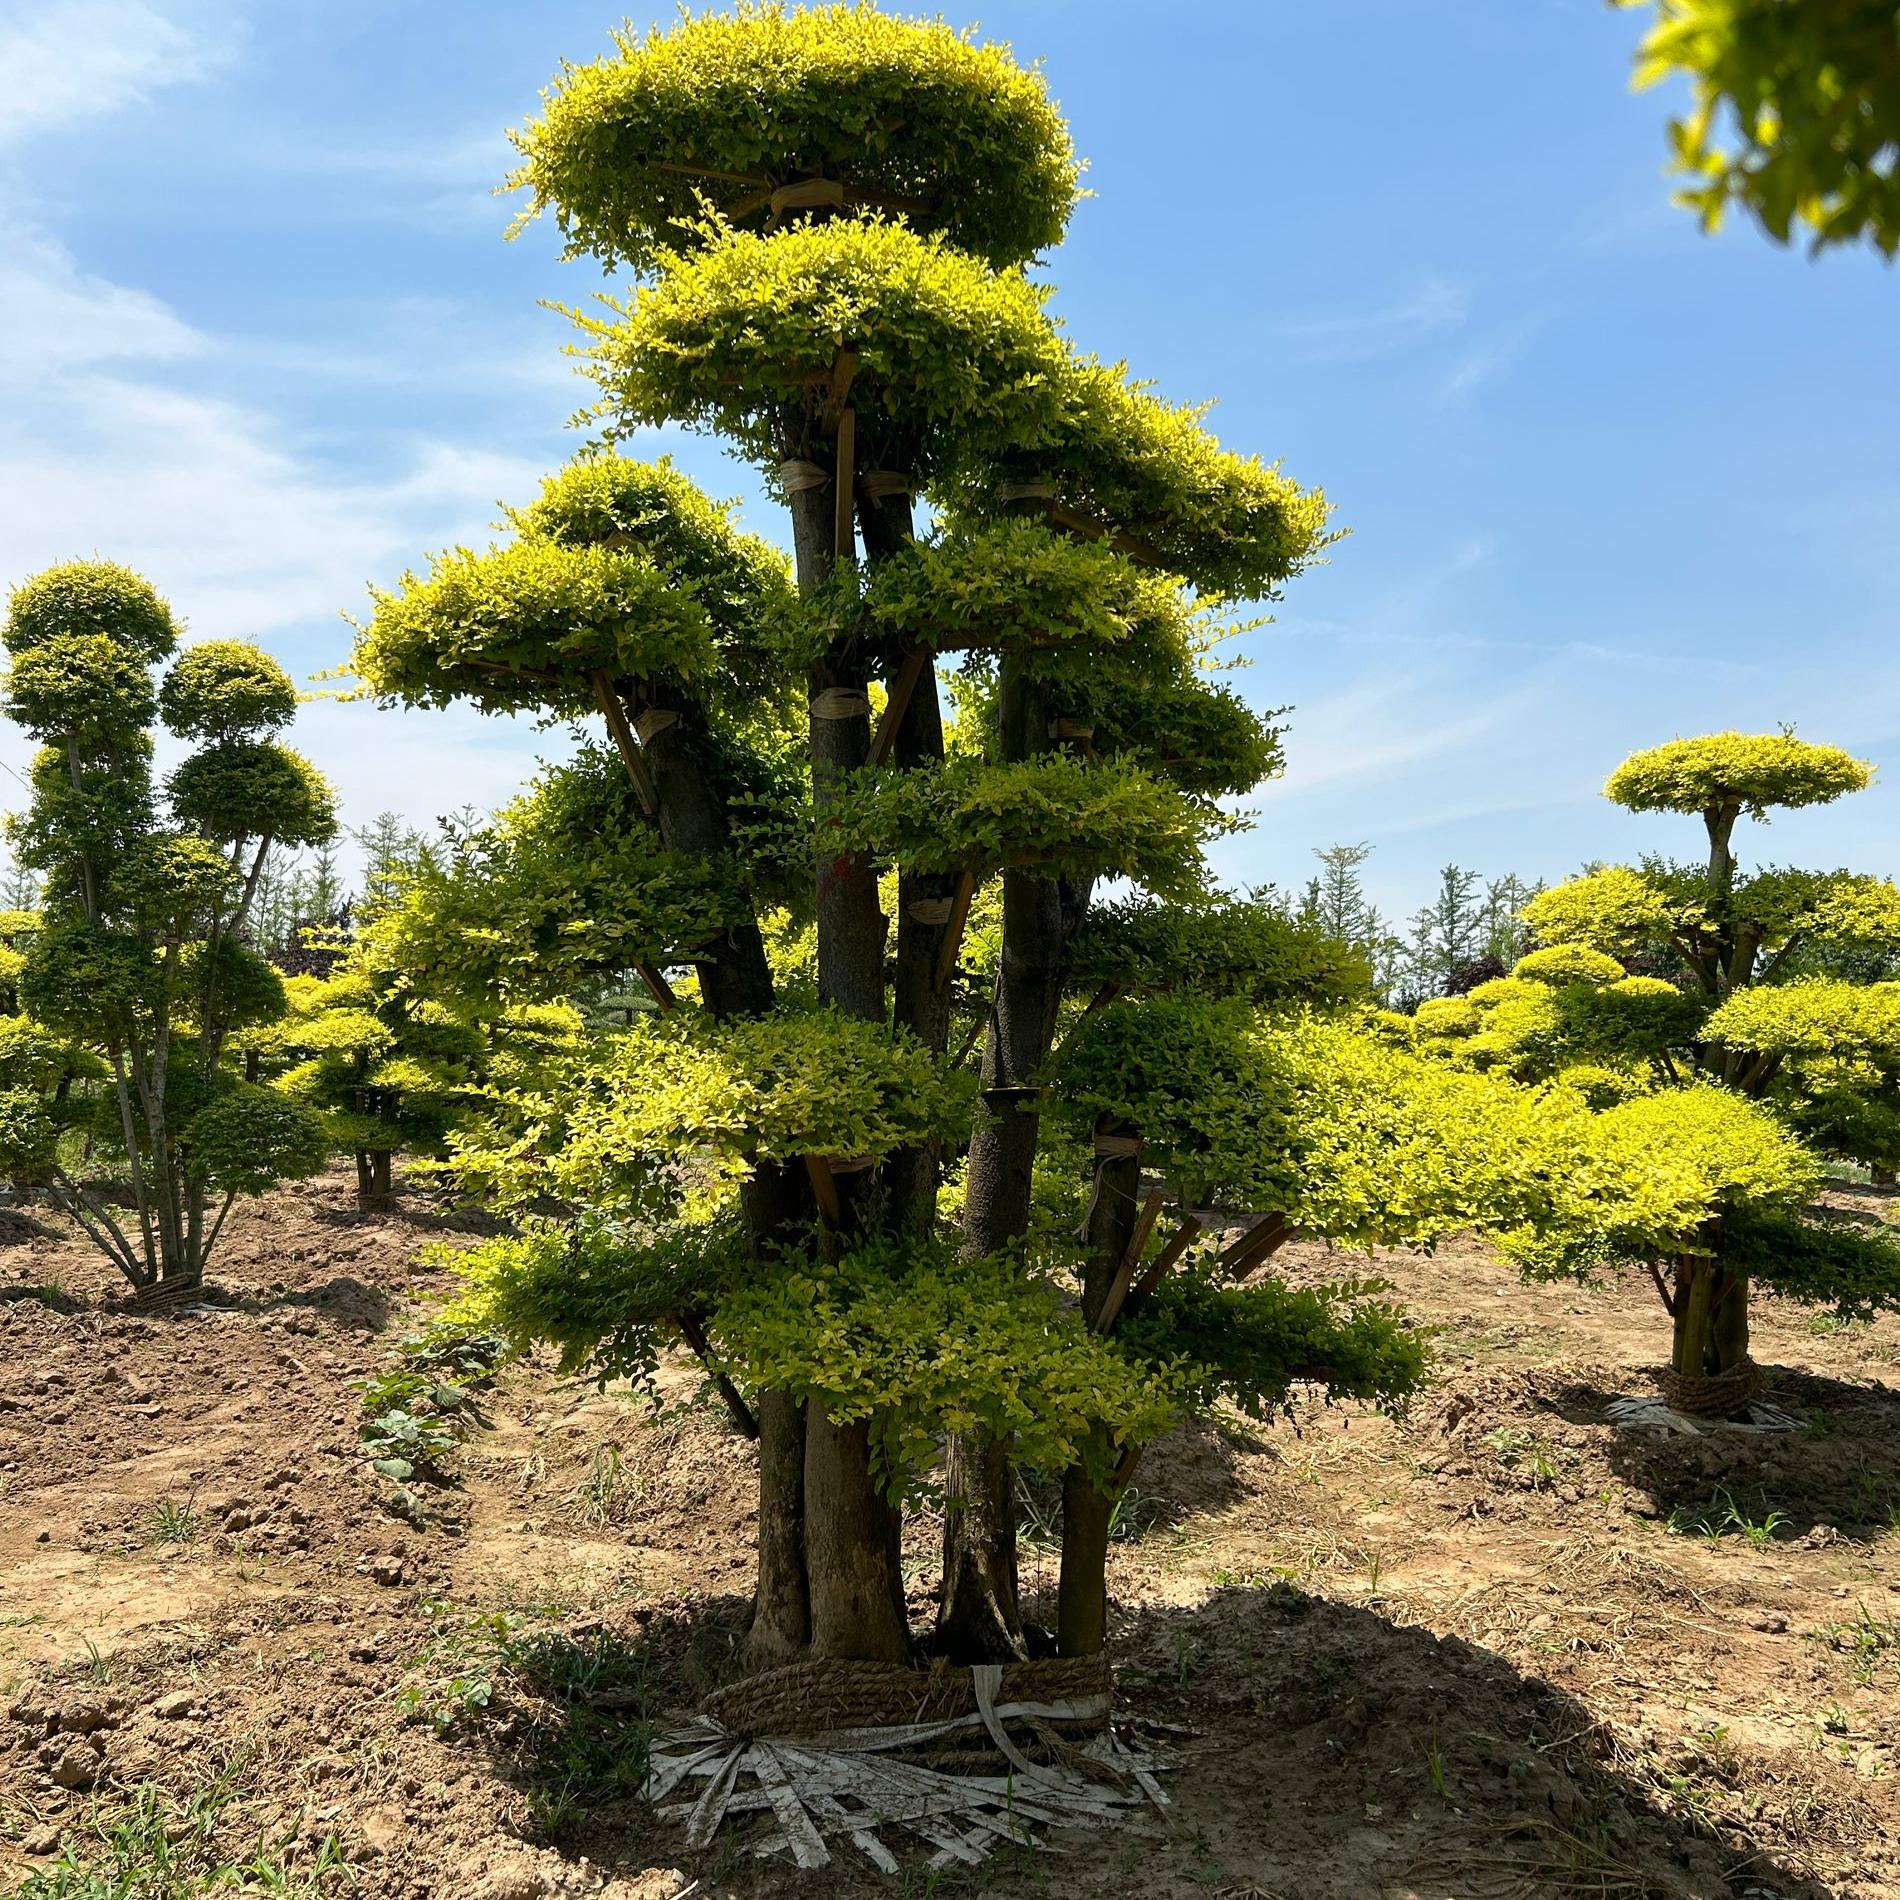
<point>1082,1597</point>
<point>851,1547</point>
<point>979,1617</point>
<point>781,1609</point>
<point>380,1185</point>
<point>853,1576</point>
<point>365,1182</point>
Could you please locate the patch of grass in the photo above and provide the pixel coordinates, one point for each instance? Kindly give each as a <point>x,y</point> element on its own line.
<point>49,1294</point>
<point>576,1704</point>
<point>1723,1516</point>
<point>1868,1642</point>
<point>153,1845</point>
<point>607,1492</point>
<point>171,1522</point>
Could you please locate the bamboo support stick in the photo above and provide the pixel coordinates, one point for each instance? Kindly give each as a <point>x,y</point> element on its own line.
<point>953,930</point>
<point>1260,1240</point>
<point>1130,1260</point>
<point>824,1188</point>
<point>625,743</point>
<point>1179,1242</point>
<point>898,704</point>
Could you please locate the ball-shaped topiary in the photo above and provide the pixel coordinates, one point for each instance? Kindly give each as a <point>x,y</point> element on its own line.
<point>226,689</point>
<point>90,597</point>
<point>906,116</point>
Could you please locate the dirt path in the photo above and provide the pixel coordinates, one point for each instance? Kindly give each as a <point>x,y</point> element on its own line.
<point>1498,1648</point>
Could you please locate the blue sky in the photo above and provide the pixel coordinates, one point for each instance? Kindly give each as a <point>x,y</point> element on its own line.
<point>1607,480</point>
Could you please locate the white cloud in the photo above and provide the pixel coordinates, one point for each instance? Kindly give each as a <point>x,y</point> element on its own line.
<point>1355,336</point>
<point>62,61</point>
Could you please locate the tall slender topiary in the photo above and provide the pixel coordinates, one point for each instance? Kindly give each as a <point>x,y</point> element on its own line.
<point>143,958</point>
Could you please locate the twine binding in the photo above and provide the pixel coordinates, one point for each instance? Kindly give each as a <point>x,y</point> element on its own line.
<point>840,702</point>
<point>653,722</point>
<point>798,477</point>
<point>1713,1395</point>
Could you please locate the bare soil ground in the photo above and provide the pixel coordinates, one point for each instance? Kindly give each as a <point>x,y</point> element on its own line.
<point>1497,1648</point>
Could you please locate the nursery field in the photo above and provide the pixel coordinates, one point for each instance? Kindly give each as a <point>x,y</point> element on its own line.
<point>1496,1647</point>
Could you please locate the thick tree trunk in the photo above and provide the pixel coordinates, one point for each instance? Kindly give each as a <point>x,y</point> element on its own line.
<point>380,1184</point>
<point>850,1529</point>
<point>1082,1595</point>
<point>979,1617</point>
<point>851,1547</point>
<point>781,1606</point>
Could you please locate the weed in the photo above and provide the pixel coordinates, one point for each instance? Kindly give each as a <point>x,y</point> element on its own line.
<point>1721,1515</point>
<point>606,1492</point>
<point>1867,1642</point>
<point>1435,1766</point>
<point>170,1522</point>
<point>98,1664</point>
<point>157,1846</point>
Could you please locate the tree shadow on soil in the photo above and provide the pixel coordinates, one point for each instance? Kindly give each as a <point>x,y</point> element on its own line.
<point>1840,1475</point>
<point>1318,1751</point>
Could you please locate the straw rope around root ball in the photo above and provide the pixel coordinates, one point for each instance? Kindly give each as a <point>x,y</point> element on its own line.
<point>1714,1395</point>
<point>817,1698</point>
<point>957,1759</point>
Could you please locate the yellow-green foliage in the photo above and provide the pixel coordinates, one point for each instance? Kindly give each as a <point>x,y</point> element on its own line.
<point>1058,815</point>
<point>952,358</point>
<point>608,1123</point>
<point>526,626</point>
<point>611,501</point>
<point>1563,963</point>
<point>1641,1180</point>
<point>1796,115</point>
<point>1449,1016</point>
<point>225,689</point>
<point>253,788</point>
<point>85,599</point>
<point>1736,771</point>
<point>919,1342</point>
<point>1229,524</point>
<point>1624,911</point>
<point>1318,1120</point>
<point>1817,1017</point>
<point>1238,947</point>
<point>569,882</point>
<point>1004,584</point>
<point>911,114</point>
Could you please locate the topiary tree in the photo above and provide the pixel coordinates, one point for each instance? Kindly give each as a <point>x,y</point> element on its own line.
<point>829,211</point>
<point>1705,975</point>
<point>142,958</point>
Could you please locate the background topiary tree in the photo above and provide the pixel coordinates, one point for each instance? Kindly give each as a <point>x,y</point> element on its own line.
<point>1756,982</point>
<point>142,959</point>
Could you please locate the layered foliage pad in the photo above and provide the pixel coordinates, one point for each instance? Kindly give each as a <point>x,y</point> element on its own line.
<point>1796,115</point>
<point>679,1111</point>
<point>910,116</point>
<point>1241,948</point>
<point>1669,908</point>
<point>1056,814</point>
<point>1751,772</point>
<point>951,359</point>
<point>569,883</point>
<point>1321,1121</point>
<point>618,567</point>
<point>1120,456</point>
